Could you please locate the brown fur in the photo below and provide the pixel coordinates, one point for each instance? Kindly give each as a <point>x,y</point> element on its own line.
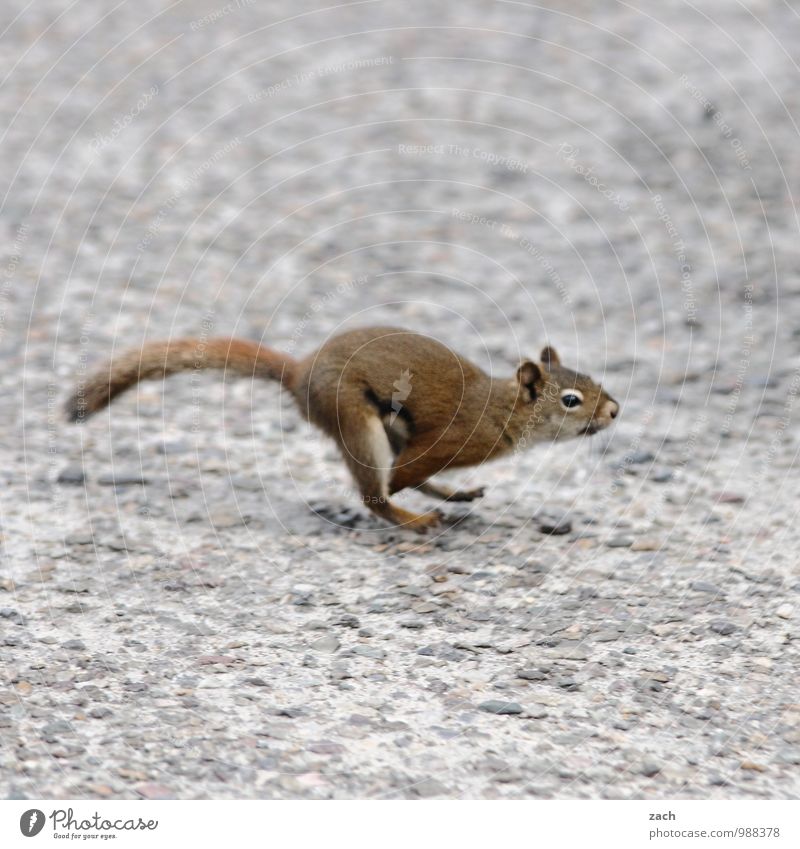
<point>401,406</point>
<point>160,359</point>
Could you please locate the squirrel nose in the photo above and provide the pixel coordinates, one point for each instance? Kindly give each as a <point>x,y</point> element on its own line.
<point>612,408</point>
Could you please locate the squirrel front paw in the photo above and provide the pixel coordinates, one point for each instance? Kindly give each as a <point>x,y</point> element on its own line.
<point>467,494</point>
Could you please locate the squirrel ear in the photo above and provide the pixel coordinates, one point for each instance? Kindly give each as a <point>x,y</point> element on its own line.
<point>528,375</point>
<point>550,357</point>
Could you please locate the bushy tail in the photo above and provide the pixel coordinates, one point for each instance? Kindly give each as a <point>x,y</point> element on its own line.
<point>159,359</point>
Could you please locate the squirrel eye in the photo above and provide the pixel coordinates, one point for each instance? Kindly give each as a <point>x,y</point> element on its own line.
<point>571,398</point>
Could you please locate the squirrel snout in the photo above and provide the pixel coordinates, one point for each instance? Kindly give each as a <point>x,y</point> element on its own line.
<point>608,410</point>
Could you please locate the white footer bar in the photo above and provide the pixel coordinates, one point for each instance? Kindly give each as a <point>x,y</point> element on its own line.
<point>402,825</point>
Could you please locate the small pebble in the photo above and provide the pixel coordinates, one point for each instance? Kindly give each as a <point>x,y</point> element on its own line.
<point>555,527</point>
<point>645,544</point>
<point>328,643</point>
<point>155,791</point>
<point>500,708</point>
<point>637,458</point>
<point>531,675</point>
<point>122,479</point>
<point>730,498</point>
<point>71,475</point>
<point>429,788</point>
<point>789,756</point>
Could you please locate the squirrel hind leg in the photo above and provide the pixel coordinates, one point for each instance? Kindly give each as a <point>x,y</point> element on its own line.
<point>397,432</point>
<point>370,458</point>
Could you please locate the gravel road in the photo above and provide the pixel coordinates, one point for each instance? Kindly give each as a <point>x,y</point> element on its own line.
<point>193,603</point>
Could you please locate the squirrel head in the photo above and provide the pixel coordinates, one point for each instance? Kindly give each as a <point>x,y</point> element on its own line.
<point>561,403</point>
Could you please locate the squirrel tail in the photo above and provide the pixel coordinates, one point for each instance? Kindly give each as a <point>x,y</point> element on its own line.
<point>159,359</point>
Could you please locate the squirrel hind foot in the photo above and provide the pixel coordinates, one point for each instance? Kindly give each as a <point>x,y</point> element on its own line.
<point>406,520</point>
<point>467,494</point>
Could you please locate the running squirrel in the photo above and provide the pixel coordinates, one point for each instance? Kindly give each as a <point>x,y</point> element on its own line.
<point>401,406</point>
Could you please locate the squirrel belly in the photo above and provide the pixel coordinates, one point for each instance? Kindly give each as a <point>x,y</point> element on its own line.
<point>401,406</point>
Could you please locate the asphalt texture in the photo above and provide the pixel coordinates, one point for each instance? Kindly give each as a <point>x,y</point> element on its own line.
<point>193,602</point>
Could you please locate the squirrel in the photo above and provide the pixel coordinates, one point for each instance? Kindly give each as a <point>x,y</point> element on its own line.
<point>400,405</point>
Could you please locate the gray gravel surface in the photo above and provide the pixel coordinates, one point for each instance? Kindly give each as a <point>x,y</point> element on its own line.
<point>193,604</point>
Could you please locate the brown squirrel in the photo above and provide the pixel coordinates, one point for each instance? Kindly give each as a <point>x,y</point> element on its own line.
<point>400,405</point>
